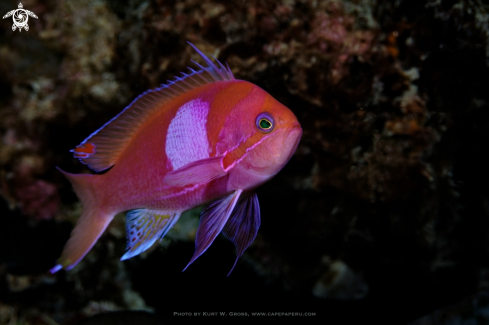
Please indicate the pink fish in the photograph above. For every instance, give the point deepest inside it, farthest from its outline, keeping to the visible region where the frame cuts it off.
(203, 139)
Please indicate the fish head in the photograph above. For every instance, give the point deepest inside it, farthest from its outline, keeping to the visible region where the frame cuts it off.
(272, 136)
(279, 135)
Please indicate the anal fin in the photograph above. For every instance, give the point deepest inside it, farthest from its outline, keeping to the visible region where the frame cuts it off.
(144, 227)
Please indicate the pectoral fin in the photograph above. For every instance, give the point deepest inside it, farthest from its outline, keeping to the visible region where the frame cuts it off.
(212, 220)
(144, 227)
(242, 226)
(197, 172)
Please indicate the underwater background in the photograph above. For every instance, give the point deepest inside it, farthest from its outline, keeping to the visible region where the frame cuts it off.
(381, 215)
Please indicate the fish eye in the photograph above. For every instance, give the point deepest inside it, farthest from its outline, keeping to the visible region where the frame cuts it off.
(264, 123)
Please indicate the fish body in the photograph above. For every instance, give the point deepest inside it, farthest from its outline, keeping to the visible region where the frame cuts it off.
(203, 139)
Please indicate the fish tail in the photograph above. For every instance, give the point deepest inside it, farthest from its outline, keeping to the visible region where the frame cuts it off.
(89, 226)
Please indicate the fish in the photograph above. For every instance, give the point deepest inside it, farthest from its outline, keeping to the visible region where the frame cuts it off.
(202, 139)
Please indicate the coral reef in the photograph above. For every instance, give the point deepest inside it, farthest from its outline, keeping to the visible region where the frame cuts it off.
(389, 184)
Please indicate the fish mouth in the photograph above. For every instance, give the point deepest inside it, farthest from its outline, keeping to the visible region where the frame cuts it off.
(292, 139)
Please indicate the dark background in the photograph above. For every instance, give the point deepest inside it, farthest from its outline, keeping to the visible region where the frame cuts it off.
(390, 179)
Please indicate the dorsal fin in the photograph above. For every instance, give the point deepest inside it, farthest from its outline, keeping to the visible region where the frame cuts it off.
(102, 148)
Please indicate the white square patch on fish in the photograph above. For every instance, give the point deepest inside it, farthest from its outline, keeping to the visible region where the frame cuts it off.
(186, 140)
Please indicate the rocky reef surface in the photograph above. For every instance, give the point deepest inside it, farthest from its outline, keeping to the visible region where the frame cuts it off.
(381, 214)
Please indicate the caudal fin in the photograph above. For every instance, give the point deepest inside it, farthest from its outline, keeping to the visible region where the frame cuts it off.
(89, 226)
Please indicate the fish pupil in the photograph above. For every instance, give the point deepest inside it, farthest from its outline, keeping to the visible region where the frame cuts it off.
(265, 124)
